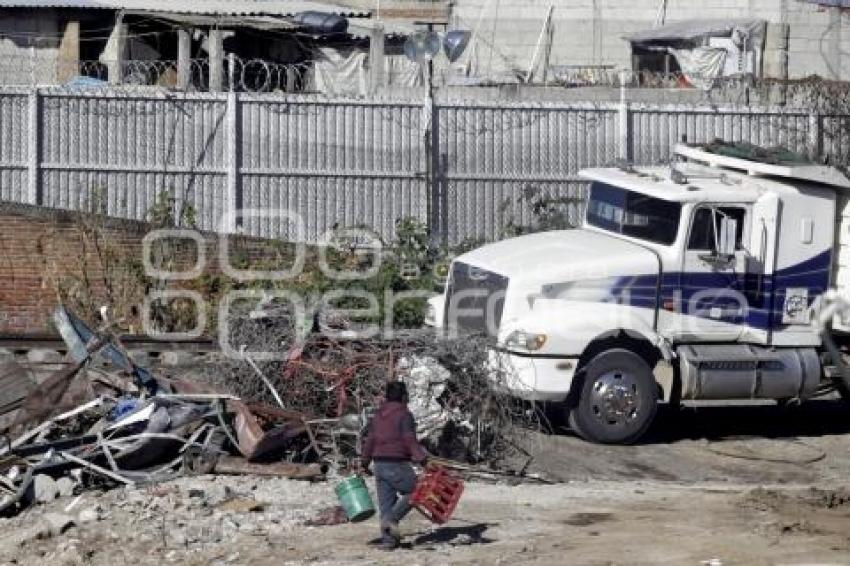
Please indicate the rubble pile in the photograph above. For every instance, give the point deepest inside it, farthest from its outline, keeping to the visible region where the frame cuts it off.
(102, 421)
(189, 520)
(87, 427)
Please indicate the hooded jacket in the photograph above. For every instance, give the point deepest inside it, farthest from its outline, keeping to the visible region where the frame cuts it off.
(392, 435)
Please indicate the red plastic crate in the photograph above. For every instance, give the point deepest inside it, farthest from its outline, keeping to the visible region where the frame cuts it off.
(437, 493)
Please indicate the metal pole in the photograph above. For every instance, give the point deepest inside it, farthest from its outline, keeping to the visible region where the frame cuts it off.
(233, 204)
(432, 142)
(33, 149)
(815, 136)
(625, 126)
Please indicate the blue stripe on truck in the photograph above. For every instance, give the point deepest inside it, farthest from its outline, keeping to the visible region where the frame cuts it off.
(698, 293)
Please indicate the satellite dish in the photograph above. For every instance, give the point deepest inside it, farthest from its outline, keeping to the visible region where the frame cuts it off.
(455, 43)
(422, 46)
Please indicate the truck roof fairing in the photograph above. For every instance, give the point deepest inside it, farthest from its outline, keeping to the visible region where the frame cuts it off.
(764, 162)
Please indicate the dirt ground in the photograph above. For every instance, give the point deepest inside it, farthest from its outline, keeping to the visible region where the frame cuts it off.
(740, 485)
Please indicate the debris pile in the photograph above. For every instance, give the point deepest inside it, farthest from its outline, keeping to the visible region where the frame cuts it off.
(86, 427)
(337, 373)
(102, 420)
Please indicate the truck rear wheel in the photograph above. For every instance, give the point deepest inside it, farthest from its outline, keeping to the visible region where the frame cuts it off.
(618, 399)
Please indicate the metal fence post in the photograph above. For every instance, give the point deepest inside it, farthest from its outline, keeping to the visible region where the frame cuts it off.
(625, 126)
(33, 148)
(233, 203)
(432, 140)
(816, 141)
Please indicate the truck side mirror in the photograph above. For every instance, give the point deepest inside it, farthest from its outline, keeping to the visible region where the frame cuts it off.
(726, 238)
(723, 254)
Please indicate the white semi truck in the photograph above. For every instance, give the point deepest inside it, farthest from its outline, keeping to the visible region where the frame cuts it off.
(703, 280)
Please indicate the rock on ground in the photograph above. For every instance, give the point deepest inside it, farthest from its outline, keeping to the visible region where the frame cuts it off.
(45, 488)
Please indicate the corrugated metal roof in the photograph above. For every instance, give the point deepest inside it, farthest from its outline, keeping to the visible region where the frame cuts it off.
(694, 29)
(201, 7)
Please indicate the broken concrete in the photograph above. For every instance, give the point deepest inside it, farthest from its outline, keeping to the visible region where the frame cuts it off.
(45, 488)
(65, 486)
(57, 523)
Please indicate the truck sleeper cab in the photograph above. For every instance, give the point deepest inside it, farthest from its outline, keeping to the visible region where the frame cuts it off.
(692, 282)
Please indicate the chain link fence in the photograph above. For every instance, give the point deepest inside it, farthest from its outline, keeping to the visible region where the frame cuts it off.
(465, 168)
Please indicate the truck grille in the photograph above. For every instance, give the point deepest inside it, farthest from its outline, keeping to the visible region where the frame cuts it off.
(474, 289)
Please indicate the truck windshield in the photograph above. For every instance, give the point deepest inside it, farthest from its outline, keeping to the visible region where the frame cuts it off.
(633, 214)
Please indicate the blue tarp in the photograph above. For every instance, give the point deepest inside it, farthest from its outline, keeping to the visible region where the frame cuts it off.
(836, 3)
(86, 82)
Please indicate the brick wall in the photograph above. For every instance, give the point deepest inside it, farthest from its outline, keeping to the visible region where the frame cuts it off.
(38, 248)
(44, 252)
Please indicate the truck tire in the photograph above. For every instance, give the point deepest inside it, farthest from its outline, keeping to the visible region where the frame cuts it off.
(618, 399)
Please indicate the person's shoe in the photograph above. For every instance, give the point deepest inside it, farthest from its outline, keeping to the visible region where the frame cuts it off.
(389, 545)
(393, 530)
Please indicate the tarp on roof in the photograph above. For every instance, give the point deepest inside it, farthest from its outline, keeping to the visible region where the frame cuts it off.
(287, 8)
(701, 65)
(692, 30)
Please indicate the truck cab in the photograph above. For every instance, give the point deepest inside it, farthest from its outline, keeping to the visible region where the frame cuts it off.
(695, 281)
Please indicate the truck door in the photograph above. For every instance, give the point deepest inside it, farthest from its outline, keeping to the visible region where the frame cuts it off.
(713, 305)
(763, 247)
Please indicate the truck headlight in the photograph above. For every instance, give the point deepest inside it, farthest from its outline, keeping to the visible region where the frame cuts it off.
(525, 340)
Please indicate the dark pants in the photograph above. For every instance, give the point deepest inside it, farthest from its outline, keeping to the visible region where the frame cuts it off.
(395, 482)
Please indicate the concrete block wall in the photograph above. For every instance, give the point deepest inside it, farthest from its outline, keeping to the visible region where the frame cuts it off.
(29, 49)
(590, 31)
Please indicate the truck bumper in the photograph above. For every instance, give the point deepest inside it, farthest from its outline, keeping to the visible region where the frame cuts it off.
(533, 378)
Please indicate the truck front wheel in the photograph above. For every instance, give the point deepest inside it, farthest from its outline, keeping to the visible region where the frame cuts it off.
(618, 399)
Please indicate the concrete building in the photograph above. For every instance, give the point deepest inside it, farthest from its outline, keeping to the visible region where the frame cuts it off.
(49, 42)
(38, 47)
(591, 32)
(43, 41)
(802, 37)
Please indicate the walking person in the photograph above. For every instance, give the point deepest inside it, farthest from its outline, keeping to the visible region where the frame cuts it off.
(392, 445)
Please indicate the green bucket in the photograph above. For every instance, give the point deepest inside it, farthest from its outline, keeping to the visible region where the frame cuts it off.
(355, 499)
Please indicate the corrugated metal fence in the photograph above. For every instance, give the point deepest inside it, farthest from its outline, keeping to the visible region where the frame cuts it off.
(461, 167)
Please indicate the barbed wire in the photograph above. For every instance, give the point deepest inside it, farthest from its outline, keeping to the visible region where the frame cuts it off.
(264, 76)
(246, 75)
